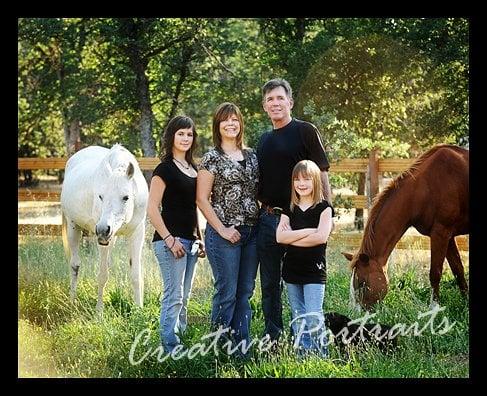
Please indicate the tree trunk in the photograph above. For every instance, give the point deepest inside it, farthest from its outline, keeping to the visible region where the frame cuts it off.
(300, 26)
(146, 115)
(72, 136)
(187, 53)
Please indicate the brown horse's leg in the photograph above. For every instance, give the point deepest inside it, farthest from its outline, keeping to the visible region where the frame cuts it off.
(439, 245)
(453, 257)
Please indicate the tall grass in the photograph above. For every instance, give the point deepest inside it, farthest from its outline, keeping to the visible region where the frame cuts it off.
(60, 338)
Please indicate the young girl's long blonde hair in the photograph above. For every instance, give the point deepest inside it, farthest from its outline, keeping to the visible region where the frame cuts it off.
(307, 168)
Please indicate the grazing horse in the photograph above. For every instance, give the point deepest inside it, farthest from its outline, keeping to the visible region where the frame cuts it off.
(104, 192)
(431, 196)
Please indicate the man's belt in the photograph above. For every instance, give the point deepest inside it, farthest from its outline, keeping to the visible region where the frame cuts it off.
(274, 210)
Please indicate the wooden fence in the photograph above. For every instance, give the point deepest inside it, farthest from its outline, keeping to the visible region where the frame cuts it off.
(374, 166)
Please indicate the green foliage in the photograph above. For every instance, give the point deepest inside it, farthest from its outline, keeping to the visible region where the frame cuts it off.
(400, 85)
(372, 92)
(366, 81)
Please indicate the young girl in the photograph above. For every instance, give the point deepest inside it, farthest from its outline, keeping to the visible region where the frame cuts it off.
(305, 227)
(177, 238)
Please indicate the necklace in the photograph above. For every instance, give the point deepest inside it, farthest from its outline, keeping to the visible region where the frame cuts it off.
(180, 163)
(235, 155)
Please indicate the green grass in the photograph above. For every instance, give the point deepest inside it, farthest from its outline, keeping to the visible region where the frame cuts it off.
(58, 338)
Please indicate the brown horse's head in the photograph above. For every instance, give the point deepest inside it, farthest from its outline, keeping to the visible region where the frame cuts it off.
(369, 280)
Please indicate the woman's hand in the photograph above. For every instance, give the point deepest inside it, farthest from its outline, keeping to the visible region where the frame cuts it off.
(201, 250)
(230, 234)
(177, 248)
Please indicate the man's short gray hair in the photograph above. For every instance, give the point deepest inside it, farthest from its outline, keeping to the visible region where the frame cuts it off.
(277, 82)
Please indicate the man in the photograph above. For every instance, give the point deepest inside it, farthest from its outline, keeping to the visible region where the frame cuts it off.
(278, 151)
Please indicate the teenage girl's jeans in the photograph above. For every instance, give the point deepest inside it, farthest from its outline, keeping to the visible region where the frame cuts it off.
(309, 329)
(234, 267)
(177, 279)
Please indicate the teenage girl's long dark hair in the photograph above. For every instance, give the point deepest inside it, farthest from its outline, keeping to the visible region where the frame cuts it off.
(175, 124)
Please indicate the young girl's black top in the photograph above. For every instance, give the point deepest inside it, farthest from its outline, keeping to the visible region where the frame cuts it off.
(178, 202)
(303, 265)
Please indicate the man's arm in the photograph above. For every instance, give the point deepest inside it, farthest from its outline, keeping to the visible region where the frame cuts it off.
(325, 185)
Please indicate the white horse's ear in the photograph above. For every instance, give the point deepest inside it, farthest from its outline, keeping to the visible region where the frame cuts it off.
(130, 170)
(107, 168)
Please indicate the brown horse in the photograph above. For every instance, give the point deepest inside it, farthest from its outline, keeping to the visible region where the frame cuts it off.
(432, 196)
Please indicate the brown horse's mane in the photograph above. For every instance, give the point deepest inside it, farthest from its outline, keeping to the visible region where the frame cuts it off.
(379, 201)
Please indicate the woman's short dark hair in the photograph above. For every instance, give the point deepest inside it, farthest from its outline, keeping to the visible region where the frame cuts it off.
(174, 125)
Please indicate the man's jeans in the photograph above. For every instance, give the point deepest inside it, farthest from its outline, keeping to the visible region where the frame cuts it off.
(308, 321)
(177, 278)
(234, 267)
(270, 256)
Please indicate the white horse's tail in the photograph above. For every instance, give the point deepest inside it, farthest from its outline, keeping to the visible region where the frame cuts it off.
(64, 233)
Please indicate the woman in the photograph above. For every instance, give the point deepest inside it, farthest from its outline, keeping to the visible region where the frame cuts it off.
(177, 243)
(226, 195)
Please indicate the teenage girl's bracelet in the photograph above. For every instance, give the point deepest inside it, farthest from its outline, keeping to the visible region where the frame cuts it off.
(167, 236)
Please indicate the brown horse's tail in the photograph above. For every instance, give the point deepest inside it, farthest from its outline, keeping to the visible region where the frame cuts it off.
(64, 234)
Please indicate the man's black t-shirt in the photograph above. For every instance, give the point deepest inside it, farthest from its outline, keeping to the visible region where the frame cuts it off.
(303, 265)
(278, 152)
(178, 202)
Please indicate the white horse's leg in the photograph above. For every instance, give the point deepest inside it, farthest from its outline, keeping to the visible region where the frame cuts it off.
(73, 233)
(136, 241)
(103, 272)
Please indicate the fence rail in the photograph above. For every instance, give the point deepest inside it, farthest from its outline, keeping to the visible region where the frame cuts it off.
(353, 240)
(27, 194)
(149, 163)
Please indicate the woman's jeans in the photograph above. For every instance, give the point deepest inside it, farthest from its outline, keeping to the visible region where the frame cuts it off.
(308, 322)
(177, 278)
(234, 267)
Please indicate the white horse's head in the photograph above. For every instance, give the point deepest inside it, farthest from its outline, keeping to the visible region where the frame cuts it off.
(114, 197)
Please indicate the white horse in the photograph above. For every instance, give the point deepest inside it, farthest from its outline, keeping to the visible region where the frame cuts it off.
(104, 192)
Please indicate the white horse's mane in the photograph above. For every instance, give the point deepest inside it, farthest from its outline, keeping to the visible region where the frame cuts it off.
(119, 158)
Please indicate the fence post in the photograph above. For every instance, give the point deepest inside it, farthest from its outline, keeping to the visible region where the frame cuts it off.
(373, 175)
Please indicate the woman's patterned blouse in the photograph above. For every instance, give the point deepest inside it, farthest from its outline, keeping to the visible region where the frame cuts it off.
(234, 192)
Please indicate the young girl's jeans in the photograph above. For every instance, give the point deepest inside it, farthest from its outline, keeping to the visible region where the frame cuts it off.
(308, 322)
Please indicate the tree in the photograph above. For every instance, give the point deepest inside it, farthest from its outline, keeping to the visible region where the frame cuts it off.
(374, 92)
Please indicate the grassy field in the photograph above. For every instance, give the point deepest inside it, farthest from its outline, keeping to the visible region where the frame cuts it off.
(57, 338)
